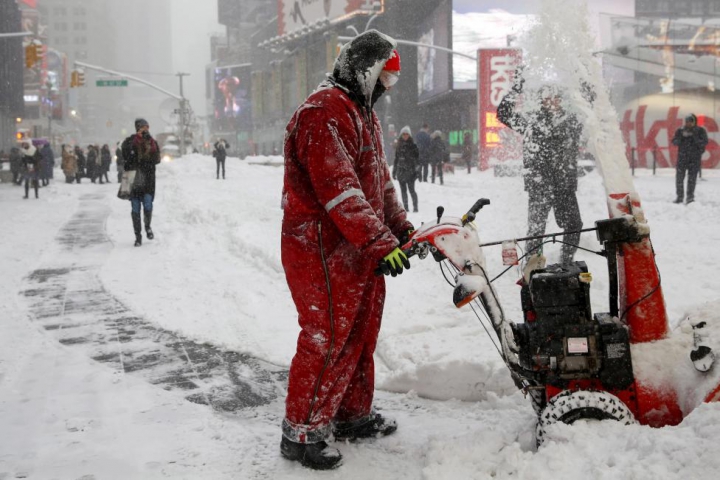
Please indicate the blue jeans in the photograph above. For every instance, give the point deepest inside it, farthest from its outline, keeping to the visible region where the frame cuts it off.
(147, 202)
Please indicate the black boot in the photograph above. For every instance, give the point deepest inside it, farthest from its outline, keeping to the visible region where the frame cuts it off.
(138, 228)
(148, 220)
(318, 456)
(374, 425)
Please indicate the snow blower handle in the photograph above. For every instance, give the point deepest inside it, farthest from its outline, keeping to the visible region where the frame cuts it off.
(470, 215)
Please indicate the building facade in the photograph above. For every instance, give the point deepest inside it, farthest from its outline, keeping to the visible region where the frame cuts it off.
(290, 47)
(11, 73)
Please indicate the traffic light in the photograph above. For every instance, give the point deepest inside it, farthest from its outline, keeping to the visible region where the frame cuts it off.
(38, 51)
(77, 78)
(31, 57)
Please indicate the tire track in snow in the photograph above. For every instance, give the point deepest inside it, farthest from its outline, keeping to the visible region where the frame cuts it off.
(66, 297)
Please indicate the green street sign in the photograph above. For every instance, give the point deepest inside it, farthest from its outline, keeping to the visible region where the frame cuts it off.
(111, 83)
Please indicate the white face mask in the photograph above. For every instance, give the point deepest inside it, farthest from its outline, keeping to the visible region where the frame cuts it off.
(388, 79)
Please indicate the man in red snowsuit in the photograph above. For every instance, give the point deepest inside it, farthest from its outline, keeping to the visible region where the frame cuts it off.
(341, 220)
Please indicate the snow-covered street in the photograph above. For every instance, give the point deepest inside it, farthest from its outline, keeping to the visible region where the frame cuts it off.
(169, 360)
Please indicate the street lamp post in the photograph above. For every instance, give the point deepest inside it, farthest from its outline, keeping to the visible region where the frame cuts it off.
(183, 107)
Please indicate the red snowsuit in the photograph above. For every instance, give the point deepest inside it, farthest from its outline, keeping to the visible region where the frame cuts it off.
(341, 218)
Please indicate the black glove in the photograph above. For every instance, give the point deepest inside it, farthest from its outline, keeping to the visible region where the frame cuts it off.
(393, 263)
(405, 237)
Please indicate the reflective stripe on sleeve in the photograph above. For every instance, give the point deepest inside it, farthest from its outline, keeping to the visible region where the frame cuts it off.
(353, 192)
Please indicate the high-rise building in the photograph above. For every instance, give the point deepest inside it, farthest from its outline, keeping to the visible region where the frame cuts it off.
(11, 74)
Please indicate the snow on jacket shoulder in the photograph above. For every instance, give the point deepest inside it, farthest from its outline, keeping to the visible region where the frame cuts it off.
(336, 174)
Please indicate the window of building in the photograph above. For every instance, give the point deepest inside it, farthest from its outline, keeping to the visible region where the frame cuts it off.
(698, 7)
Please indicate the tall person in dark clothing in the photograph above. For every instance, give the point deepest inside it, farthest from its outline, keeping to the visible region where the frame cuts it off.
(691, 141)
(81, 164)
(406, 166)
(439, 154)
(422, 139)
(119, 162)
(141, 153)
(16, 165)
(551, 145)
(468, 151)
(105, 161)
(32, 161)
(47, 165)
(220, 154)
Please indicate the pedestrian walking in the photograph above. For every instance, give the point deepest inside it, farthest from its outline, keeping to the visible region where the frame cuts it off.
(47, 165)
(691, 141)
(468, 151)
(423, 143)
(342, 220)
(220, 154)
(406, 166)
(105, 161)
(439, 154)
(141, 153)
(32, 159)
(69, 164)
(93, 163)
(16, 165)
(81, 164)
(551, 146)
(119, 162)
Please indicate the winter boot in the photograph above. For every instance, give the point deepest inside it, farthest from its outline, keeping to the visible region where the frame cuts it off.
(374, 425)
(318, 456)
(678, 200)
(148, 220)
(137, 227)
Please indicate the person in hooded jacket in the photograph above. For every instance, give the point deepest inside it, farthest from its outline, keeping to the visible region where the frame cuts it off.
(141, 153)
(94, 164)
(422, 139)
(69, 164)
(32, 160)
(551, 146)
(16, 165)
(81, 163)
(438, 155)
(342, 220)
(406, 166)
(47, 165)
(220, 154)
(105, 161)
(691, 141)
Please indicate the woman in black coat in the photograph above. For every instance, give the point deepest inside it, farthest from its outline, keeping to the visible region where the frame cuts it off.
(105, 161)
(406, 166)
(141, 153)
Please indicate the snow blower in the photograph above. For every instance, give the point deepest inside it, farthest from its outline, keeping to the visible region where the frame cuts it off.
(573, 364)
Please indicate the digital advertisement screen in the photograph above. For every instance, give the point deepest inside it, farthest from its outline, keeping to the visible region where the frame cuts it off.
(433, 65)
(233, 104)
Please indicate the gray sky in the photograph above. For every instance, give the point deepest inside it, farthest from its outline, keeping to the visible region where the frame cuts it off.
(193, 22)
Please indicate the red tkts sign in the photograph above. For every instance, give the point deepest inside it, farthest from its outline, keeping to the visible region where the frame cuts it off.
(496, 69)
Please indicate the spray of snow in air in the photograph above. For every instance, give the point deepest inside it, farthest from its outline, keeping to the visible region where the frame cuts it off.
(558, 51)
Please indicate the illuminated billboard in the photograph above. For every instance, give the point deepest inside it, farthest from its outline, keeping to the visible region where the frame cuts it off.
(296, 14)
(434, 66)
(233, 98)
(496, 69)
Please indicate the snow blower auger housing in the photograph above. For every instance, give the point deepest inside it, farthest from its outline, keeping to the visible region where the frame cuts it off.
(572, 363)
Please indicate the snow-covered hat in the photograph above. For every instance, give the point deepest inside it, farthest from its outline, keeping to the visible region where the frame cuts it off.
(691, 118)
(30, 150)
(406, 129)
(436, 134)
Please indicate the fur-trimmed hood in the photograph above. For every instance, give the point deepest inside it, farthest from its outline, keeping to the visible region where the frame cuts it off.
(360, 62)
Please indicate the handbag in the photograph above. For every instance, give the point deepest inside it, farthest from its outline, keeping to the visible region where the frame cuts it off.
(126, 184)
